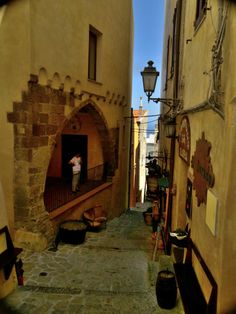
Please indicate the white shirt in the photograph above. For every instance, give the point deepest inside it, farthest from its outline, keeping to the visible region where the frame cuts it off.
(76, 164)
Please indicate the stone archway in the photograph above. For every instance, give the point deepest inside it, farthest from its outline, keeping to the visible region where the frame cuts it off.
(108, 137)
(38, 120)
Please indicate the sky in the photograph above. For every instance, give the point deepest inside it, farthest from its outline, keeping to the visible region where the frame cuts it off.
(148, 43)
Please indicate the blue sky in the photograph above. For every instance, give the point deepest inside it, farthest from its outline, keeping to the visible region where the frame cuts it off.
(148, 42)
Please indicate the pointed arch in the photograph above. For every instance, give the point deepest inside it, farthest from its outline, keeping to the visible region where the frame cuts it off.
(90, 107)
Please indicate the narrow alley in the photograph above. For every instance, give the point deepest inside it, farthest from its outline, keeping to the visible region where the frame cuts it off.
(111, 272)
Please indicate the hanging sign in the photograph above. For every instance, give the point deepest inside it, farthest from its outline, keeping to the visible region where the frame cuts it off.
(184, 140)
(203, 176)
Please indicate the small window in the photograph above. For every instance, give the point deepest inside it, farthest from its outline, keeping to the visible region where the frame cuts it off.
(200, 12)
(167, 62)
(175, 39)
(92, 65)
(94, 54)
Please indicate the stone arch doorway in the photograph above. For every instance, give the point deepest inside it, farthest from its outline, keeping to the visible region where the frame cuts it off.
(39, 119)
(85, 131)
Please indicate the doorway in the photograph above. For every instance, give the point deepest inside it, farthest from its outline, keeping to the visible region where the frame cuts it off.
(72, 145)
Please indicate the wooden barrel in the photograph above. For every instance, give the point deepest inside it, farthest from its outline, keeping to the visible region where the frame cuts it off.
(166, 289)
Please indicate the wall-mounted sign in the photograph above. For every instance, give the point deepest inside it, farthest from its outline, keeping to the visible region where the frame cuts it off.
(203, 176)
(184, 140)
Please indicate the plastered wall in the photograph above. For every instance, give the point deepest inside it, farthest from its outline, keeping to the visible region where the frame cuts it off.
(195, 88)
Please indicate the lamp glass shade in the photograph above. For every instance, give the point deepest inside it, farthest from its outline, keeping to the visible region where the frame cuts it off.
(149, 75)
(170, 128)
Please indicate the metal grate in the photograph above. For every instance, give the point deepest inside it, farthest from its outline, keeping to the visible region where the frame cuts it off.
(53, 290)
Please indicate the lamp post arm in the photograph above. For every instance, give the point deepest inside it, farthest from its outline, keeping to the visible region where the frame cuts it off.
(166, 101)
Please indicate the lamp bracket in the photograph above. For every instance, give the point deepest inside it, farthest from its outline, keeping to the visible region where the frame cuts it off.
(170, 102)
(175, 106)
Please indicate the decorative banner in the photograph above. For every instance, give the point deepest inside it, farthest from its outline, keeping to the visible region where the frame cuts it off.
(202, 169)
(184, 140)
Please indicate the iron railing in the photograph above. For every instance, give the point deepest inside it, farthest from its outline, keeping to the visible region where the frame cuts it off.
(96, 173)
(58, 190)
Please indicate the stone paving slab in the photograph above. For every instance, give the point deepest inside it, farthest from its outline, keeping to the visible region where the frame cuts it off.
(111, 272)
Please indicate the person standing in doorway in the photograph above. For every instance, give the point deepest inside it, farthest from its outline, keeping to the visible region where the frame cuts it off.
(76, 169)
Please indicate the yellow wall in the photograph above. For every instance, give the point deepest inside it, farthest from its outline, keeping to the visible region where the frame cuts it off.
(50, 40)
(218, 251)
(57, 41)
(135, 163)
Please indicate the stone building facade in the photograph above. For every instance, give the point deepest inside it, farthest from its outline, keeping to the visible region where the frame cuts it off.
(198, 69)
(65, 70)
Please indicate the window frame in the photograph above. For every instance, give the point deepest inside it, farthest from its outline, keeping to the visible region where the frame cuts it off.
(167, 61)
(92, 57)
(201, 6)
(94, 54)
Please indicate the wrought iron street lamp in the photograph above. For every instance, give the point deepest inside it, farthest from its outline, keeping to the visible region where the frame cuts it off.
(170, 128)
(150, 75)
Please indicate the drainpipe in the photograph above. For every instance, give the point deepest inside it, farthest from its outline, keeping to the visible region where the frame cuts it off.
(130, 155)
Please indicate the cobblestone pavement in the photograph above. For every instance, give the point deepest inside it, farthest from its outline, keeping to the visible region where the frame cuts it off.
(111, 272)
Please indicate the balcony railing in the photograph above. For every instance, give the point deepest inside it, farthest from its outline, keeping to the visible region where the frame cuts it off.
(58, 190)
(96, 173)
